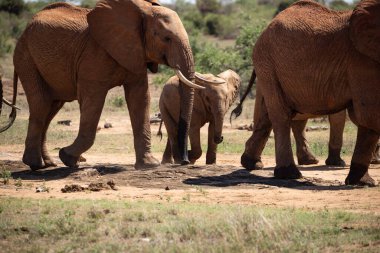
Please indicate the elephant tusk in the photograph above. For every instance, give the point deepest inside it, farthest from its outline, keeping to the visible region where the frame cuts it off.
(201, 78)
(186, 81)
(10, 104)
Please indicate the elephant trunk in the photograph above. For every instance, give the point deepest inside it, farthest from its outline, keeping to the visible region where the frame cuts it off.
(13, 113)
(218, 120)
(186, 66)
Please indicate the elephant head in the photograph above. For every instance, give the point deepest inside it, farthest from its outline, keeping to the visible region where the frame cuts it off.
(140, 34)
(219, 97)
(365, 28)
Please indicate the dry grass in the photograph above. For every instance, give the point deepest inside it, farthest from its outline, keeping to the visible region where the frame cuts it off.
(120, 226)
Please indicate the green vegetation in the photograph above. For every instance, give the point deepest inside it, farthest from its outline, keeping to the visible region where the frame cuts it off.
(28, 225)
(238, 21)
(5, 175)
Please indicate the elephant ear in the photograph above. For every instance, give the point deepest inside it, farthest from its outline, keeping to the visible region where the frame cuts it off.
(365, 28)
(117, 26)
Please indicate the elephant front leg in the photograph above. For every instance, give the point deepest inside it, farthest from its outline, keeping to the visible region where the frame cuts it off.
(91, 103)
(138, 102)
(55, 107)
(195, 142)
(304, 155)
(211, 145)
(365, 143)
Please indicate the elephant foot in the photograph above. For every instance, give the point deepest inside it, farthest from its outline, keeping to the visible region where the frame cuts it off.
(358, 175)
(82, 159)
(335, 161)
(308, 160)
(147, 162)
(167, 161)
(67, 159)
(211, 161)
(287, 172)
(251, 164)
(49, 163)
(185, 162)
(33, 163)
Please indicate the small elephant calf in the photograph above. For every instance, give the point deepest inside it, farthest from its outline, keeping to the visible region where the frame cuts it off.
(210, 105)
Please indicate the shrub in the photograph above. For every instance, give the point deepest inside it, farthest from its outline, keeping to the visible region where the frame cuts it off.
(118, 101)
(12, 6)
(5, 44)
(245, 43)
(340, 5)
(212, 23)
(208, 6)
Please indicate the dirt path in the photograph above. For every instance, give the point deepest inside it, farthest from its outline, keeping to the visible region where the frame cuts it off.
(322, 186)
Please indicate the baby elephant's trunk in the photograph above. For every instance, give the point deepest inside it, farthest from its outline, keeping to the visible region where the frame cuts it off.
(218, 130)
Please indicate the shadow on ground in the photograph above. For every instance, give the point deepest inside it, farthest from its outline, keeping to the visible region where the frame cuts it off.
(175, 177)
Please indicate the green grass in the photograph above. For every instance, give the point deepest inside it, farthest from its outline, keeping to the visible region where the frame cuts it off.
(53, 225)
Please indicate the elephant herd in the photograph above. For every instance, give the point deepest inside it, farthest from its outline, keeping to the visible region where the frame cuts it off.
(309, 61)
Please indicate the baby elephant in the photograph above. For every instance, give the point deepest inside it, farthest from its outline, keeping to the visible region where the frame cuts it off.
(210, 105)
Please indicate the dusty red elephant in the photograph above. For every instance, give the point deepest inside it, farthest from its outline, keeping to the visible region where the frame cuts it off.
(303, 153)
(69, 53)
(312, 60)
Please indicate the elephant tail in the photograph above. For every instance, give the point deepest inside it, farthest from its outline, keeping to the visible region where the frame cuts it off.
(159, 133)
(12, 115)
(239, 108)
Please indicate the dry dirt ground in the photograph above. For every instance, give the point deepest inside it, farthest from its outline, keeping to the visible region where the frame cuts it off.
(322, 186)
(227, 182)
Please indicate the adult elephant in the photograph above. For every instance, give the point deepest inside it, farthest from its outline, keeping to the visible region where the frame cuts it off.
(210, 106)
(304, 156)
(68, 53)
(311, 60)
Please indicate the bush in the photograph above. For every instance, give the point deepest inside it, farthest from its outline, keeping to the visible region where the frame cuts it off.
(12, 6)
(6, 45)
(215, 60)
(118, 101)
(340, 5)
(245, 42)
(208, 6)
(283, 5)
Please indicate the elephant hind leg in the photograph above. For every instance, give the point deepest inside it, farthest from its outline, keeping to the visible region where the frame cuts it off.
(304, 155)
(280, 114)
(55, 107)
(254, 146)
(167, 156)
(39, 106)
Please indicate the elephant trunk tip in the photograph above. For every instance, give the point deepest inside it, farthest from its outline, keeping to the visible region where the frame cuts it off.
(218, 139)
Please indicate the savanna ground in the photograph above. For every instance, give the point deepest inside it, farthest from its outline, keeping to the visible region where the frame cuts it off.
(111, 207)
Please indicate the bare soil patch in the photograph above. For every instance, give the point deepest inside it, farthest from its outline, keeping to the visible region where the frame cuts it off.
(321, 188)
